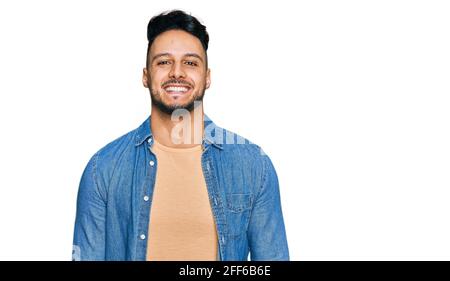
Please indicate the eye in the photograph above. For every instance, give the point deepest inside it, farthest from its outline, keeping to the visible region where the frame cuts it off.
(162, 62)
(192, 63)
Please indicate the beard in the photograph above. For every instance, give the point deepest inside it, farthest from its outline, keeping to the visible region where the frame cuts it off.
(169, 109)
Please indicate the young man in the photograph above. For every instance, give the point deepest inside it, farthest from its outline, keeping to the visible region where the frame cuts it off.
(179, 187)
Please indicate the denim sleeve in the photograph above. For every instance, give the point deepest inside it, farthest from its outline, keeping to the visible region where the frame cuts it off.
(89, 234)
(266, 232)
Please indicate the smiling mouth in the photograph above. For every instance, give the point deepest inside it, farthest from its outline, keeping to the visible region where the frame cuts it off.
(176, 89)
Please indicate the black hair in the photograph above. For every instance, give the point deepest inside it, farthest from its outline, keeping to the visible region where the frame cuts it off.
(176, 19)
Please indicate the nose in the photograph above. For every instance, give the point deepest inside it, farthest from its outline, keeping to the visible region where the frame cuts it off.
(177, 71)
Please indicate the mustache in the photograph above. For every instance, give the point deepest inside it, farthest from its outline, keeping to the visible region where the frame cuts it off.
(177, 81)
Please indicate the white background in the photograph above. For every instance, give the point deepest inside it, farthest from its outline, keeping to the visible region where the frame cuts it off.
(350, 99)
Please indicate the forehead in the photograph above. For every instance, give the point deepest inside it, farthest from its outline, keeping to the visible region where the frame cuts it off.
(176, 42)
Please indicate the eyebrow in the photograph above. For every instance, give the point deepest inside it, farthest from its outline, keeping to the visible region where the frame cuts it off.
(186, 55)
(193, 55)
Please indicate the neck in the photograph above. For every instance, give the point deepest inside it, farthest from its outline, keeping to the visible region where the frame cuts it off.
(179, 130)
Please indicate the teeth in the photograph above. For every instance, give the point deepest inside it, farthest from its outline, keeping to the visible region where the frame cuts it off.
(176, 89)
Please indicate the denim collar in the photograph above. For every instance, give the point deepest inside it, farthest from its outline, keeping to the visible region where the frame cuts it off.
(144, 132)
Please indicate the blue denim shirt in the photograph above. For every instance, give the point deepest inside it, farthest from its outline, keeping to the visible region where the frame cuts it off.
(115, 197)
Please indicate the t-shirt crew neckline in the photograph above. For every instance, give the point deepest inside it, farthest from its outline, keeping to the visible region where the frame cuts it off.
(176, 149)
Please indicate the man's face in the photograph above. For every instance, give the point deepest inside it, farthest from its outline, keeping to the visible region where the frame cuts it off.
(177, 74)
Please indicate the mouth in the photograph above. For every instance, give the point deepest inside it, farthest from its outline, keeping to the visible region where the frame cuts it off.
(177, 90)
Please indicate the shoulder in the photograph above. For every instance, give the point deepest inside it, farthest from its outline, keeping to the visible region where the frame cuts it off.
(114, 150)
(239, 149)
(108, 157)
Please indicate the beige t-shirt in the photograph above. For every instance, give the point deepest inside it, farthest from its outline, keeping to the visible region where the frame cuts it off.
(181, 224)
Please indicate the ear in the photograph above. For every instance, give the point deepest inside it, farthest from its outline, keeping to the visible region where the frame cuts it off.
(208, 78)
(145, 78)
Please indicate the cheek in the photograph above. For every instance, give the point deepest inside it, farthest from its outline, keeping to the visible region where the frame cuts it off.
(198, 78)
(156, 79)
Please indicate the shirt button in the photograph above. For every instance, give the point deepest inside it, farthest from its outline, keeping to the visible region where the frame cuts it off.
(152, 163)
(142, 236)
(146, 198)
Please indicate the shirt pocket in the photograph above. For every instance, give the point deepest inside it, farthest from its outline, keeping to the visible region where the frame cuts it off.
(238, 213)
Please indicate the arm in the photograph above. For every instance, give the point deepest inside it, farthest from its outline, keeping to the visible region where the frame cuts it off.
(266, 233)
(89, 234)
